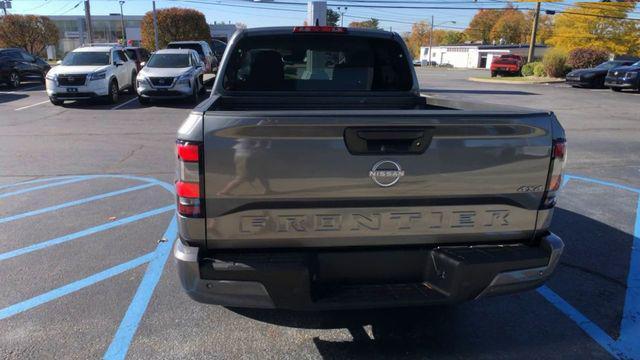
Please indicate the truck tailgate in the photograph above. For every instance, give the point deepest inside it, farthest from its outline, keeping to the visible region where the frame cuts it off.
(360, 178)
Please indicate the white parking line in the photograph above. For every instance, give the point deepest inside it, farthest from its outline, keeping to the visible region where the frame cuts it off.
(123, 104)
(32, 105)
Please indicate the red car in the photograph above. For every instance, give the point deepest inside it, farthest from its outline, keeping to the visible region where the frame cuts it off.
(506, 64)
(137, 54)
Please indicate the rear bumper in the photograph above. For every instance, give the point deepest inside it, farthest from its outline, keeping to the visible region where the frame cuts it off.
(390, 277)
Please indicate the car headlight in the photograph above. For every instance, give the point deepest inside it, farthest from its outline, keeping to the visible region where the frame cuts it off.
(51, 76)
(631, 75)
(185, 79)
(142, 80)
(98, 75)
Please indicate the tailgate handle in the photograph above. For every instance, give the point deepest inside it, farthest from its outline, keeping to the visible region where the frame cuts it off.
(376, 141)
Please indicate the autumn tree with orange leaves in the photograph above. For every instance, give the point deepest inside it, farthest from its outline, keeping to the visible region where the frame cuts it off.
(174, 24)
(30, 32)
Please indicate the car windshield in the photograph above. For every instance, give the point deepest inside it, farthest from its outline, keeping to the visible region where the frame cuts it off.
(169, 61)
(609, 65)
(317, 63)
(191, 46)
(86, 58)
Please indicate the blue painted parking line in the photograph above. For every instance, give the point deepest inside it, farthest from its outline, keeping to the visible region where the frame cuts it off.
(74, 203)
(128, 326)
(630, 324)
(73, 287)
(35, 181)
(82, 233)
(585, 324)
(45, 186)
(627, 346)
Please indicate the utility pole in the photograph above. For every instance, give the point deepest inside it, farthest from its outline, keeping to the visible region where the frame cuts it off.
(155, 25)
(87, 19)
(534, 31)
(124, 30)
(430, 41)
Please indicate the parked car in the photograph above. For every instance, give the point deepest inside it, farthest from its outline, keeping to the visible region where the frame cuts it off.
(101, 71)
(625, 77)
(594, 77)
(218, 48)
(17, 65)
(395, 199)
(171, 73)
(507, 64)
(204, 51)
(417, 62)
(138, 54)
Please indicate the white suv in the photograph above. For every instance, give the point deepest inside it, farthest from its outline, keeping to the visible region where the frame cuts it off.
(90, 72)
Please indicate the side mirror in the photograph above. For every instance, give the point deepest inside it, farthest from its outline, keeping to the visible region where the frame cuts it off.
(118, 63)
(58, 62)
(143, 63)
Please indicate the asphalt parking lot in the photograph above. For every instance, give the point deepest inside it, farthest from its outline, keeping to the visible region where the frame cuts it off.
(86, 227)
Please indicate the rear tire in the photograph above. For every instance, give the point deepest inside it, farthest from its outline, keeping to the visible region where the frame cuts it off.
(494, 73)
(14, 80)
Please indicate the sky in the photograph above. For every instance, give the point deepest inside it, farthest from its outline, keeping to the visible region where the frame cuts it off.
(255, 13)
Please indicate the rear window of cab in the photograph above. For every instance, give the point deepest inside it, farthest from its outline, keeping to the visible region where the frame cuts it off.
(306, 62)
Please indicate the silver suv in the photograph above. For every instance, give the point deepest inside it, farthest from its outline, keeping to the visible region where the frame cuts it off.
(171, 73)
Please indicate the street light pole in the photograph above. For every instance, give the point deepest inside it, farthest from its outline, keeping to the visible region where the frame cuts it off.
(124, 30)
(431, 35)
(342, 15)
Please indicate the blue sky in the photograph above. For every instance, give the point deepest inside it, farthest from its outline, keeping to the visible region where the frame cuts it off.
(254, 13)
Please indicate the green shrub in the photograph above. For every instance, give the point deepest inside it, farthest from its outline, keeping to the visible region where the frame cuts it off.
(538, 69)
(527, 69)
(554, 63)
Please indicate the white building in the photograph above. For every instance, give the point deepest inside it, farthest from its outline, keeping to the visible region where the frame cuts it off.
(473, 56)
(106, 28)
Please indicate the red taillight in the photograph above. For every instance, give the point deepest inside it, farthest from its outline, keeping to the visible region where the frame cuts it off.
(188, 152)
(559, 148)
(189, 191)
(554, 182)
(320, 29)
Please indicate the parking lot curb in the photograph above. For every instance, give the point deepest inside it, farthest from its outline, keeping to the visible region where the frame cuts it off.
(512, 82)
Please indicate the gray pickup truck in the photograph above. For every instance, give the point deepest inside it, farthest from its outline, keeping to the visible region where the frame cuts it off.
(317, 176)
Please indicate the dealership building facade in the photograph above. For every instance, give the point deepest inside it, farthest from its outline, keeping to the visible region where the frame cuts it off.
(108, 29)
(473, 56)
